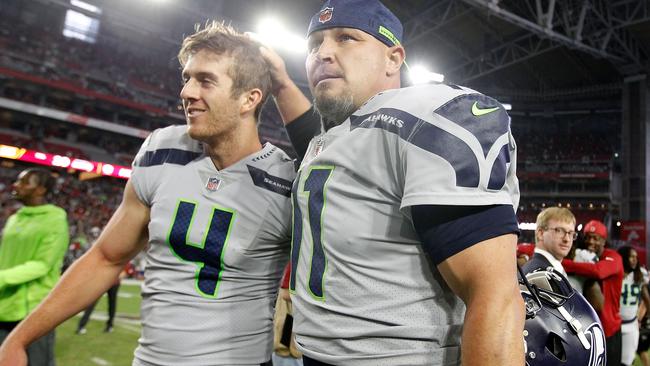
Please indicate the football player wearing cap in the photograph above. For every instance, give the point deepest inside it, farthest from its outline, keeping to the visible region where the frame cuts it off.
(609, 273)
(404, 222)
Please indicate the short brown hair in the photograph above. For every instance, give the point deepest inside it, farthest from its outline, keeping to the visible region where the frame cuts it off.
(248, 71)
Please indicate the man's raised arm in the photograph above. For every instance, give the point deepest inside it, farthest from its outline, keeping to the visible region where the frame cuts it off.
(300, 119)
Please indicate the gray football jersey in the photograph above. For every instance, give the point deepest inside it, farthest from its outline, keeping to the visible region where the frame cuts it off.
(218, 243)
(365, 293)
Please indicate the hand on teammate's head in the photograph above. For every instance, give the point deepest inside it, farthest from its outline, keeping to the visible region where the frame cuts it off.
(279, 76)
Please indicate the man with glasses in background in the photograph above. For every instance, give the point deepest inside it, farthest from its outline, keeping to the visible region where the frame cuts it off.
(608, 271)
(554, 238)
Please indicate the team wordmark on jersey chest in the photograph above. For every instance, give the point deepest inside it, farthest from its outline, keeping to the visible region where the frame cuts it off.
(449, 146)
(385, 118)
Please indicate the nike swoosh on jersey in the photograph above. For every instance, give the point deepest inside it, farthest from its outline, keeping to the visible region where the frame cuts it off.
(481, 111)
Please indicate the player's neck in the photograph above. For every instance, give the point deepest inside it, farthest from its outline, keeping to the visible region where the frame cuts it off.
(34, 201)
(228, 150)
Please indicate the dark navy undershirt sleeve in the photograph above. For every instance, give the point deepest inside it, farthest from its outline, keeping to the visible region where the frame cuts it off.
(448, 230)
(302, 130)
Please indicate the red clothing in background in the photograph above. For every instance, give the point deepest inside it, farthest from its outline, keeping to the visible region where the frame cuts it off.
(609, 273)
(286, 276)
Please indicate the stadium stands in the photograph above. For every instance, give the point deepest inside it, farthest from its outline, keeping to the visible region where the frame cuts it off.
(562, 160)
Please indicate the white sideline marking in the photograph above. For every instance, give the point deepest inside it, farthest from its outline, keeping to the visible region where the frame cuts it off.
(131, 328)
(100, 361)
(132, 282)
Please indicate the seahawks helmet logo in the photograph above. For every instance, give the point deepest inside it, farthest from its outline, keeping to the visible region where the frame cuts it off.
(596, 337)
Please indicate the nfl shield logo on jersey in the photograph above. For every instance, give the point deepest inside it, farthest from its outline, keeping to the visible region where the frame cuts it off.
(325, 15)
(213, 184)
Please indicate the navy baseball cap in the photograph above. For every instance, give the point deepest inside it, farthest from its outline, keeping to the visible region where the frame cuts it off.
(370, 16)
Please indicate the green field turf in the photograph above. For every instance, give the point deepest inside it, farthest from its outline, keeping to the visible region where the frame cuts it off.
(128, 303)
(99, 348)
(105, 349)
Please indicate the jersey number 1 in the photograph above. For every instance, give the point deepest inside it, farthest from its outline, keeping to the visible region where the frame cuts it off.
(208, 255)
(314, 189)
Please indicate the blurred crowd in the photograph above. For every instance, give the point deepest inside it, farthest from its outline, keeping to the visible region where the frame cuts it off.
(46, 53)
(89, 205)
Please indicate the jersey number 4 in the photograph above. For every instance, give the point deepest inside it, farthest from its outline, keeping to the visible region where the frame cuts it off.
(207, 255)
(314, 189)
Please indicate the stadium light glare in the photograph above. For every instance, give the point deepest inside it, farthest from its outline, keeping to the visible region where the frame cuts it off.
(271, 32)
(108, 169)
(528, 226)
(80, 164)
(507, 106)
(61, 161)
(420, 75)
(37, 157)
(579, 227)
(84, 5)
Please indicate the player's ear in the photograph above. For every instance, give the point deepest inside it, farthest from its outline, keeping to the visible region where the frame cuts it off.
(250, 100)
(394, 59)
(41, 190)
(539, 235)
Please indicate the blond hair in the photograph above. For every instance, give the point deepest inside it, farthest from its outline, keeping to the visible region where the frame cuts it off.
(560, 214)
(248, 69)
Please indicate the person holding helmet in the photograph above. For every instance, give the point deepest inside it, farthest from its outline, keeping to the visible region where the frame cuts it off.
(561, 327)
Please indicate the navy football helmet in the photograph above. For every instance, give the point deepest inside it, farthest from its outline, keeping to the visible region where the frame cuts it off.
(561, 326)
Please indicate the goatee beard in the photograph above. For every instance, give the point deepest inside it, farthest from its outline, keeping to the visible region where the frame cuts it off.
(334, 111)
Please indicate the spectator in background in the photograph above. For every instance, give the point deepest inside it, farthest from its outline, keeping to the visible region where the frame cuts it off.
(78, 245)
(633, 291)
(554, 238)
(608, 271)
(579, 253)
(589, 287)
(33, 244)
(111, 294)
(525, 251)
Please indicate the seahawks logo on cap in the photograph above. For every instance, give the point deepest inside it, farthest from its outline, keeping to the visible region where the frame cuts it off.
(325, 15)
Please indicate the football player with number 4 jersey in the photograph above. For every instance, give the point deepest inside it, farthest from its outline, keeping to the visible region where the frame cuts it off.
(404, 233)
(214, 206)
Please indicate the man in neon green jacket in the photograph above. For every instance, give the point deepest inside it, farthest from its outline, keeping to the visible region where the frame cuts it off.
(34, 242)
